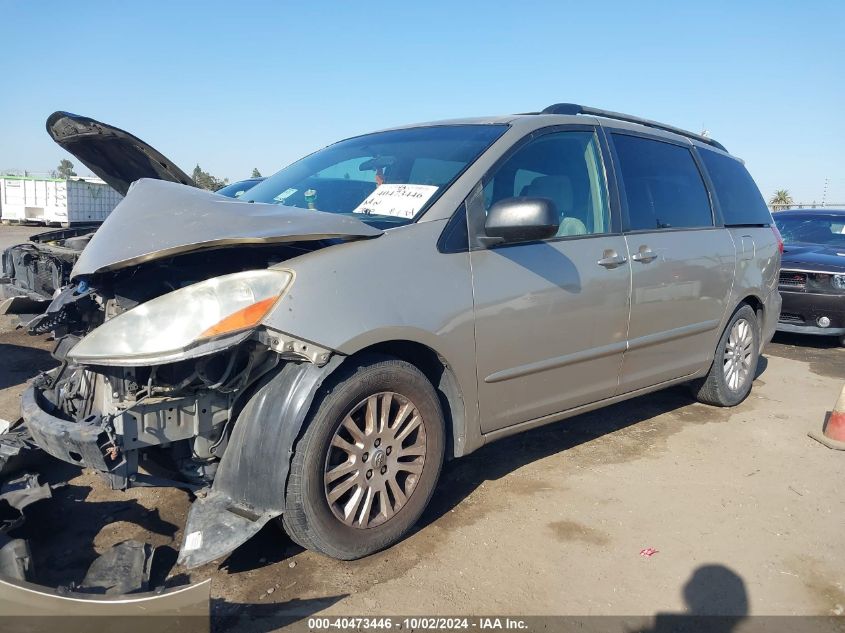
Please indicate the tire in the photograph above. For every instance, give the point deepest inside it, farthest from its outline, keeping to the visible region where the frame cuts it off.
(842, 341)
(315, 523)
(720, 387)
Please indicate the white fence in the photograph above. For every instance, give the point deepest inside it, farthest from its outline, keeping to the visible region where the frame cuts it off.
(803, 205)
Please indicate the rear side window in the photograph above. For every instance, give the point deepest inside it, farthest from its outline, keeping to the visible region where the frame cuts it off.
(738, 196)
(662, 184)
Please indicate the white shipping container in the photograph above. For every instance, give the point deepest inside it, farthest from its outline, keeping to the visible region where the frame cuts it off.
(56, 201)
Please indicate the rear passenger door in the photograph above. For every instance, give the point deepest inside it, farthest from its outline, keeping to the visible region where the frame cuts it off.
(682, 263)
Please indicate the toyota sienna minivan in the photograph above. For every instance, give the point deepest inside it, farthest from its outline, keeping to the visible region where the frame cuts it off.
(315, 349)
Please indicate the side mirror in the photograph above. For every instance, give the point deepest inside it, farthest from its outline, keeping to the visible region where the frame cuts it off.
(521, 220)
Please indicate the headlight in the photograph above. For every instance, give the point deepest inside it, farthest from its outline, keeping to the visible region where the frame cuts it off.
(166, 326)
(838, 282)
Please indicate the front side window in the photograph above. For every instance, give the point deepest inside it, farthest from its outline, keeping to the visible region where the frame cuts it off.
(662, 185)
(738, 195)
(564, 167)
(384, 179)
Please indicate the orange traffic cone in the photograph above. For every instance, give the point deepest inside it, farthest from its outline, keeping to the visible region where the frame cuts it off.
(833, 431)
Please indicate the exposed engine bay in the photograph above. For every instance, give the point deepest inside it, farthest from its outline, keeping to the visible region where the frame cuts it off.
(182, 408)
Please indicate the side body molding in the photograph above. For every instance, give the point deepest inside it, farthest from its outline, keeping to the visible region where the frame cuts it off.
(249, 487)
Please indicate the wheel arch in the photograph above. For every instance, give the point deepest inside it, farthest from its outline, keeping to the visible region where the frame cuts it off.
(440, 375)
(756, 304)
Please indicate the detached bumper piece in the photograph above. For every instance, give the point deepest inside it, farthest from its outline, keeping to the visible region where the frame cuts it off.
(32, 608)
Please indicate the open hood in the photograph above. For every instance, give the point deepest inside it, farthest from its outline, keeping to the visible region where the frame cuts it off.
(118, 157)
(161, 219)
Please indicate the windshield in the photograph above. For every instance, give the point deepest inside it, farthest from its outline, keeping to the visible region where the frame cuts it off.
(385, 179)
(237, 189)
(812, 229)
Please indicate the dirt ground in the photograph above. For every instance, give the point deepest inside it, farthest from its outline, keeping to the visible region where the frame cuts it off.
(745, 511)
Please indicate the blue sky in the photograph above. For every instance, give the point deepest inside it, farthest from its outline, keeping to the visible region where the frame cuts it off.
(236, 86)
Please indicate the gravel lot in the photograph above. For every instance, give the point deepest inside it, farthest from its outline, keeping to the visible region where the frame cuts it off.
(745, 512)
(15, 234)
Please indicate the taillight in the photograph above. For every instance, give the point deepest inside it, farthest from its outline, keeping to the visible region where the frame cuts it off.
(778, 237)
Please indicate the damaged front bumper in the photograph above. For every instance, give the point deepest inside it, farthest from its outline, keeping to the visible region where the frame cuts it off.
(243, 439)
(111, 441)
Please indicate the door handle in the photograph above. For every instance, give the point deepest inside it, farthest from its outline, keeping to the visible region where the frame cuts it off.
(644, 255)
(611, 259)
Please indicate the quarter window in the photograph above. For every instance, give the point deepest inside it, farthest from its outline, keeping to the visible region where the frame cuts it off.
(662, 185)
(739, 198)
(566, 168)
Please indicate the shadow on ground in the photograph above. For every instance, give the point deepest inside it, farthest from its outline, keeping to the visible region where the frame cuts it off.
(462, 476)
(262, 618)
(716, 600)
(20, 363)
(824, 354)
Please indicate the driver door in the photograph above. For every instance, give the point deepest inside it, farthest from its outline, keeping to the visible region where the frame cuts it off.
(551, 316)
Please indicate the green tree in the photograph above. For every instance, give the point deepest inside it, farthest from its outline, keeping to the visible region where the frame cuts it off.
(204, 180)
(781, 200)
(65, 169)
(255, 173)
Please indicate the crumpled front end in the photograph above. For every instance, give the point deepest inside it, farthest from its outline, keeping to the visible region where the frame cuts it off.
(116, 420)
(32, 272)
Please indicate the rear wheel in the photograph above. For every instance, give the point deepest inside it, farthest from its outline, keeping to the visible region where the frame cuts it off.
(368, 461)
(735, 363)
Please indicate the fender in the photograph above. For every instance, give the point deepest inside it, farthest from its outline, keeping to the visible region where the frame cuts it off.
(249, 487)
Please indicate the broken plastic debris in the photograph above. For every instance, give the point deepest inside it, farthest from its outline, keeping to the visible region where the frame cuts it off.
(121, 569)
(16, 446)
(17, 494)
(15, 558)
(648, 552)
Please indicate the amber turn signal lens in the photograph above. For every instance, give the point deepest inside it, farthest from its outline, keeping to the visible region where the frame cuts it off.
(242, 319)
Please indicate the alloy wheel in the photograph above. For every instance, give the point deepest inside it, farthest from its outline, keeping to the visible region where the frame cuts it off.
(375, 460)
(738, 355)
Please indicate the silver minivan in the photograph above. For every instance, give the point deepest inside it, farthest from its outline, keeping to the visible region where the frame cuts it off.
(315, 349)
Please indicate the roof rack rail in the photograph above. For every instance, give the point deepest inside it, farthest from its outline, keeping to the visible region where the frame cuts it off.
(574, 108)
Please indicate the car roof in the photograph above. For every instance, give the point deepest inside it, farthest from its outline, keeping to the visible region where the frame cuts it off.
(571, 113)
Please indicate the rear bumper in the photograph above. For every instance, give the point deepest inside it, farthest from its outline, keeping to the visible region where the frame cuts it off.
(771, 310)
(800, 313)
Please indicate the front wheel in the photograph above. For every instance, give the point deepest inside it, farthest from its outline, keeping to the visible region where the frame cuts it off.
(735, 363)
(367, 464)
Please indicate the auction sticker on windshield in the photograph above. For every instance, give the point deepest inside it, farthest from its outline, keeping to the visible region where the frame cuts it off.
(401, 201)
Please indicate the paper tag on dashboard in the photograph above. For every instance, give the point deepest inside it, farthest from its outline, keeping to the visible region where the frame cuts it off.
(287, 193)
(401, 201)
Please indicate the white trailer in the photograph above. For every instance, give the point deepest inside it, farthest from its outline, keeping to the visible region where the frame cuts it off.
(56, 201)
